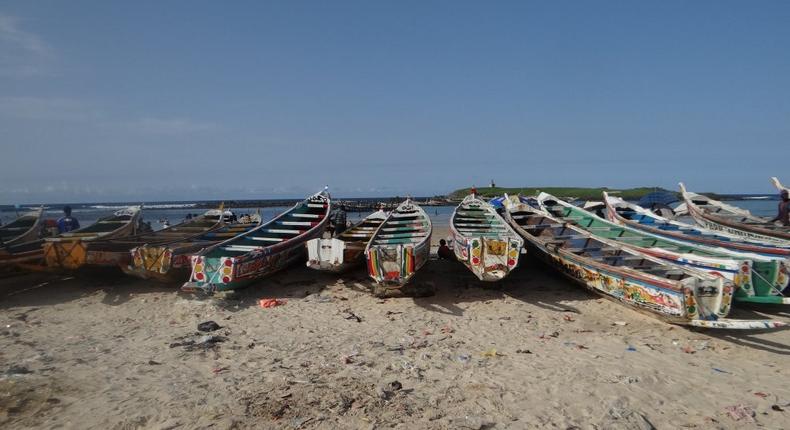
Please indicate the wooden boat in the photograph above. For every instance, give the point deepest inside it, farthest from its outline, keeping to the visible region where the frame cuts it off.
(645, 283)
(758, 279)
(345, 250)
(22, 253)
(401, 245)
(171, 261)
(26, 228)
(259, 252)
(718, 216)
(68, 249)
(621, 212)
(483, 241)
(115, 252)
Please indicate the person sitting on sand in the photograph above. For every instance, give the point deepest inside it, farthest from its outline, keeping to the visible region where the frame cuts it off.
(784, 209)
(67, 223)
(444, 252)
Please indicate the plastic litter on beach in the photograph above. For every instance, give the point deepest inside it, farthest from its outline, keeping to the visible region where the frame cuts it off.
(630, 348)
(208, 326)
(270, 303)
(740, 412)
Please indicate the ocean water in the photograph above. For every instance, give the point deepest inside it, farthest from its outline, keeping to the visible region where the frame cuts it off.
(157, 214)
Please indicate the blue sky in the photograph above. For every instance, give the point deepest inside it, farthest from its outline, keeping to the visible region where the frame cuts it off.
(116, 101)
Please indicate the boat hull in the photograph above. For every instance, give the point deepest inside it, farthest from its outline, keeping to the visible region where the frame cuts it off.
(223, 273)
(697, 238)
(733, 230)
(639, 281)
(235, 263)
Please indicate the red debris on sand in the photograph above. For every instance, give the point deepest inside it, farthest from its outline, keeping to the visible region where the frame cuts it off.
(761, 394)
(568, 318)
(270, 303)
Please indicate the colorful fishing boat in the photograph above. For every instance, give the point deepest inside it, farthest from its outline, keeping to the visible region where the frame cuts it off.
(26, 228)
(645, 283)
(625, 213)
(261, 251)
(483, 241)
(344, 250)
(758, 278)
(171, 261)
(401, 245)
(718, 216)
(60, 250)
(114, 252)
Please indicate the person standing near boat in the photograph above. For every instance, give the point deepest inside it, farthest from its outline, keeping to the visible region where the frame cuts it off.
(67, 223)
(784, 209)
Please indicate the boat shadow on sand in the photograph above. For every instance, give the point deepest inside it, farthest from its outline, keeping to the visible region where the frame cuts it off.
(44, 289)
(531, 283)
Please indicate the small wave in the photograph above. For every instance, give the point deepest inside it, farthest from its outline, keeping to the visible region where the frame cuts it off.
(155, 206)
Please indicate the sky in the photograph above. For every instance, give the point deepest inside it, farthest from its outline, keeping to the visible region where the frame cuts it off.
(179, 100)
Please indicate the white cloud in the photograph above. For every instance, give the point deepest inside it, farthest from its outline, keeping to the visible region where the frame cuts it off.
(22, 53)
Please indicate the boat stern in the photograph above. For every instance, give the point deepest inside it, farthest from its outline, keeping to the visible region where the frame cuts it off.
(65, 254)
(489, 259)
(210, 274)
(395, 265)
(708, 298)
(326, 254)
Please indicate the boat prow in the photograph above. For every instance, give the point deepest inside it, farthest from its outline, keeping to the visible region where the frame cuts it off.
(483, 241)
(778, 184)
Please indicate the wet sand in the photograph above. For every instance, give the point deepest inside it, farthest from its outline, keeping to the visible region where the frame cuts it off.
(535, 351)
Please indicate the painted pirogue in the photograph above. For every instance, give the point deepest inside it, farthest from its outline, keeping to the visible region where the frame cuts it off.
(26, 228)
(61, 250)
(483, 241)
(114, 251)
(270, 247)
(345, 250)
(625, 213)
(401, 245)
(170, 262)
(718, 216)
(758, 278)
(645, 283)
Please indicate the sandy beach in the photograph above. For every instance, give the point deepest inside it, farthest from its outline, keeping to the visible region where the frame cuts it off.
(535, 351)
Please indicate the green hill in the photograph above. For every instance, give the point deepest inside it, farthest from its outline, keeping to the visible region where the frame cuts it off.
(565, 192)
